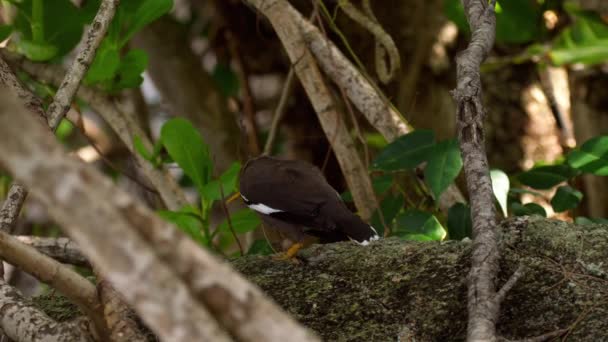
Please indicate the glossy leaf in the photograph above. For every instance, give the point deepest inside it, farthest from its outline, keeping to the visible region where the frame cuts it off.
(105, 64)
(591, 157)
(500, 187)
(185, 221)
(5, 32)
(226, 80)
(444, 165)
(586, 41)
(143, 12)
(62, 23)
(37, 52)
(390, 206)
(130, 70)
(518, 21)
(407, 151)
(460, 225)
(546, 177)
(528, 209)
(566, 198)
(243, 221)
(211, 191)
(420, 226)
(187, 148)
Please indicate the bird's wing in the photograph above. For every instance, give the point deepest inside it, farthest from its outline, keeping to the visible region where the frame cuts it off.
(298, 190)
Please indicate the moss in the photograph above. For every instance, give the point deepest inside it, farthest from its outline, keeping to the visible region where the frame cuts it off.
(346, 292)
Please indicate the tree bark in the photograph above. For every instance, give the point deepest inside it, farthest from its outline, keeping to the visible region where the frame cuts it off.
(399, 288)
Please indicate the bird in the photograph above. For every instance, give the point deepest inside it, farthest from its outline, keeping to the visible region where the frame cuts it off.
(294, 197)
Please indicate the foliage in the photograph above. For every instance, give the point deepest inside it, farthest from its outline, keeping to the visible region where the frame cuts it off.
(186, 147)
(49, 30)
(443, 164)
(520, 22)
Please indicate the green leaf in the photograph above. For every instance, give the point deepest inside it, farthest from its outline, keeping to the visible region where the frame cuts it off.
(566, 198)
(62, 24)
(518, 21)
(528, 209)
(380, 184)
(211, 191)
(226, 80)
(546, 177)
(390, 206)
(591, 157)
(454, 11)
(260, 247)
(500, 187)
(5, 32)
(444, 165)
(64, 129)
(586, 41)
(187, 148)
(406, 152)
(420, 226)
(188, 222)
(105, 64)
(141, 149)
(460, 225)
(143, 12)
(243, 221)
(37, 52)
(132, 66)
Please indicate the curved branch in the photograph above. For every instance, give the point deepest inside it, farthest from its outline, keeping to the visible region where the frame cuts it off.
(65, 94)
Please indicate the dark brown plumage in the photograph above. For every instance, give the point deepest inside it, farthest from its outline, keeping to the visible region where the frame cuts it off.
(294, 197)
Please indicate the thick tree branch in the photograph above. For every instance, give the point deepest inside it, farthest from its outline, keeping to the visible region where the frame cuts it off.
(24, 322)
(280, 14)
(61, 249)
(143, 263)
(124, 124)
(65, 94)
(79, 290)
(63, 185)
(483, 306)
(366, 97)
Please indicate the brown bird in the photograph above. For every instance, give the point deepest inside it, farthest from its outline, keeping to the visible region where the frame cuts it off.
(294, 197)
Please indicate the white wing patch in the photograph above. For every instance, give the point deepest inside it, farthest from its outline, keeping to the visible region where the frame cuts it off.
(373, 238)
(263, 208)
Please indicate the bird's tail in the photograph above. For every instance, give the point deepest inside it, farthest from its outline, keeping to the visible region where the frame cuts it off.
(353, 226)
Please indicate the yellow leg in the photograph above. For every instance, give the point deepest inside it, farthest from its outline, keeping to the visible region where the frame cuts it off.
(290, 254)
(293, 250)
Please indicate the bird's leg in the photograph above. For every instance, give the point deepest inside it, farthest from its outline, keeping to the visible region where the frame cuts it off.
(293, 250)
(290, 254)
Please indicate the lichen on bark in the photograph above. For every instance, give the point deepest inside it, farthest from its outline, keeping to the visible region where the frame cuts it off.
(347, 292)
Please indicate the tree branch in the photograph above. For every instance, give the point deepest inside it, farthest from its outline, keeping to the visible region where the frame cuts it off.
(483, 307)
(65, 94)
(161, 273)
(366, 97)
(61, 249)
(280, 14)
(123, 124)
(24, 322)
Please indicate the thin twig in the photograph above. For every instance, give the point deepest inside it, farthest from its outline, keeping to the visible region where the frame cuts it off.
(97, 30)
(10, 211)
(279, 111)
(500, 296)
(238, 242)
(106, 160)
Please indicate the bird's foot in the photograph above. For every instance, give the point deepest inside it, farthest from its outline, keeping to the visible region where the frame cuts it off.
(290, 254)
